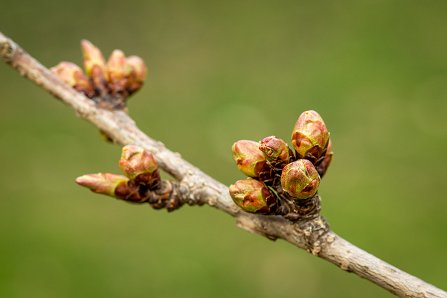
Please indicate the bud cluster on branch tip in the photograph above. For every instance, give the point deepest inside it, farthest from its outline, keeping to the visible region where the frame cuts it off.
(253, 196)
(286, 177)
(117, 78)
(140, 184)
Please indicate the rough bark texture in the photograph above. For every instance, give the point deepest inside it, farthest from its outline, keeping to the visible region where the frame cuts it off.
(198, 188)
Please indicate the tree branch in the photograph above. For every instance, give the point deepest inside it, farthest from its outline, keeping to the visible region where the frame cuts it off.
(198, 188)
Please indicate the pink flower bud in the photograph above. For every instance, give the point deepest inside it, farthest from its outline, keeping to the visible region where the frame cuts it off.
(310, 136)
(103, 183)
(300, 179)
(249, 159)
(92, 57)
(275, 149)
(117, 67)
(253, 196)
(137, 163)
(73, 75)
(138, 72)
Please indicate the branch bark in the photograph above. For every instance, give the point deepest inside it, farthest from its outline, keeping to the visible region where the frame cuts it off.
(199, 188)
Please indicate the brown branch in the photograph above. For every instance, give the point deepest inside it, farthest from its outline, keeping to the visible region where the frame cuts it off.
(198, 188)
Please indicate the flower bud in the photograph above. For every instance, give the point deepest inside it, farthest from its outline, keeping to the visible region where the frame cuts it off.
(139, 164)
(310, 136)
(323, 165)
(249, 159)
(138, 72)
(92, 57)
(73, 75)
(253, 196)
(300, 179)
(117, 67)
(103, 183)
(67, 72)
(99, 81)
(118, 72)
(275, 149)
(138, 67)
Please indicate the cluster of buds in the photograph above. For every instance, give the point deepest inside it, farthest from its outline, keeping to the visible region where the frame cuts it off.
(280, 180)
(141, 182)
(108, 83)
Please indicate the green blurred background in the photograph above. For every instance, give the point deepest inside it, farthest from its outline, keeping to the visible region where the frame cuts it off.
(220, 71)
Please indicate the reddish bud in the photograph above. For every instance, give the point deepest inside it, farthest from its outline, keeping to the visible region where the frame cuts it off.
(249, 159)
(103, 183)
(68, 72)
(310, 136)
(117, 67)
(138, 72)
(73, 75)
(138, 67)
(253, 196)
(139, 164)
(323, 165)
(275, 149)
(92, 57)
(300, 179)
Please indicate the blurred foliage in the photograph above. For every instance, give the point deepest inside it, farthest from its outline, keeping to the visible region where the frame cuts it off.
(221, 71)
